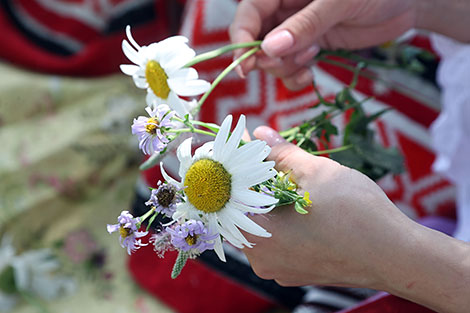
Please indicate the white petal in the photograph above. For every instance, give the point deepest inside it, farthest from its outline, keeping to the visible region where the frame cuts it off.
(218, 247)
(253, 151)
(250, 197)
(234, 139)
(204, 151)
(188, 88)
(177, 104)
(140, 82)
(152, 100)
(229, 224)
(182, 54)
(130, 38)
(248, 176)
(186, 73)
(245, 223)
(174, 40)
(168, 178)
(178, 214)
(184, 156)
(129, 69)
(229, 237)
(250, 209)
(130, 53)
(221, 138)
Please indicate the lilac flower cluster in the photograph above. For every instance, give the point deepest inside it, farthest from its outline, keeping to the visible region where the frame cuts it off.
(165, 198)
(127, 227)
(151, 130)
(192, 236)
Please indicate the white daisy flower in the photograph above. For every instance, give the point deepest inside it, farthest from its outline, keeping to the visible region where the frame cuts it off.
(159, 69)
(216, 182)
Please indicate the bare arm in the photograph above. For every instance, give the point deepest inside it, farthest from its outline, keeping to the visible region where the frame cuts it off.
(355, 236)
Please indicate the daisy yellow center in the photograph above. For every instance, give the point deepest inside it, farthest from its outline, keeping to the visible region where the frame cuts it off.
(152, 125)
(124, 232)
(157, 79)
(191, 240)
(208, 185)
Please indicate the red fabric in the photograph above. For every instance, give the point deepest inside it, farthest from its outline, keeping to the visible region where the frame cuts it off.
(100, 54)
(387, 304)
(197, 289)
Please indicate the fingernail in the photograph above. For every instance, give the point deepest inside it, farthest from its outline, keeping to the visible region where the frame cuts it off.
(305, 78)
(304, 56)
(269, 135)
(275, 44)
(268, 62)
(239, 71)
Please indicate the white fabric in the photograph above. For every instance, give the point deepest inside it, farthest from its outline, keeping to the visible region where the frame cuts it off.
(451, 130)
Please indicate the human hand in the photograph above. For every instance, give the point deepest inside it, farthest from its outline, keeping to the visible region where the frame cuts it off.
(351, 227)
(293, 31)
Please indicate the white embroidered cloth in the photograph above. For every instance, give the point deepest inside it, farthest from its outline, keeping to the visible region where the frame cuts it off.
(451, 130)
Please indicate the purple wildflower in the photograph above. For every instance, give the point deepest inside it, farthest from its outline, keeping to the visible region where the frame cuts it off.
(192, 236)
(127, 227)
(151, 130)
(164, 198)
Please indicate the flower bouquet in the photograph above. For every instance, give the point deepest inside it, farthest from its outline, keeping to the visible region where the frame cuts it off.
(227, 179)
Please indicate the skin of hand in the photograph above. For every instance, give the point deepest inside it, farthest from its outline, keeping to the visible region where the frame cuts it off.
(293, 31)
(354, 235)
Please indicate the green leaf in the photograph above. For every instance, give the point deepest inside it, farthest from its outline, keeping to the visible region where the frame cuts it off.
(300, 209)
(349, 158)
(379, 156)
(309, 146)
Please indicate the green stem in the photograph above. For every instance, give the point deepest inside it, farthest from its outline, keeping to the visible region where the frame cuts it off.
(217, 52)
(145, 216)
(357, 58)
(189, 130)
(295, 129)
(211, 126)
(330, 151)
(352, 69)
(224, 73)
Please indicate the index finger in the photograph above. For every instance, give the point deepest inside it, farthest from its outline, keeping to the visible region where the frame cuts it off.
(248, 23)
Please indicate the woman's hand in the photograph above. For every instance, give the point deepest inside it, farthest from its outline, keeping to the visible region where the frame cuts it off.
(293, 30)
(354, 235)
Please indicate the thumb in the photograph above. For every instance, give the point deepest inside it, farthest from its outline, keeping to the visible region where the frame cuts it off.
(303, 29)
(287, 156)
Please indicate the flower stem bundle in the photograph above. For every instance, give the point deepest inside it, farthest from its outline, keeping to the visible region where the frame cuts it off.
(226, 179)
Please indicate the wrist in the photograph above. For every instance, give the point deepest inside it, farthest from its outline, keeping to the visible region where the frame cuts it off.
(446, 17)
(431, 269)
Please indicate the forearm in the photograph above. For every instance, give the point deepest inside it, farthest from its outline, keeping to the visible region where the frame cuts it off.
(447, 17)
(431, 269)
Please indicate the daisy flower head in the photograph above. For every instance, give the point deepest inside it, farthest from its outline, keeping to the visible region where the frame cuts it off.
(192, 236)
(151, 130)
(127, 227)
(217, 182)
(164, 198)
(159, 68)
